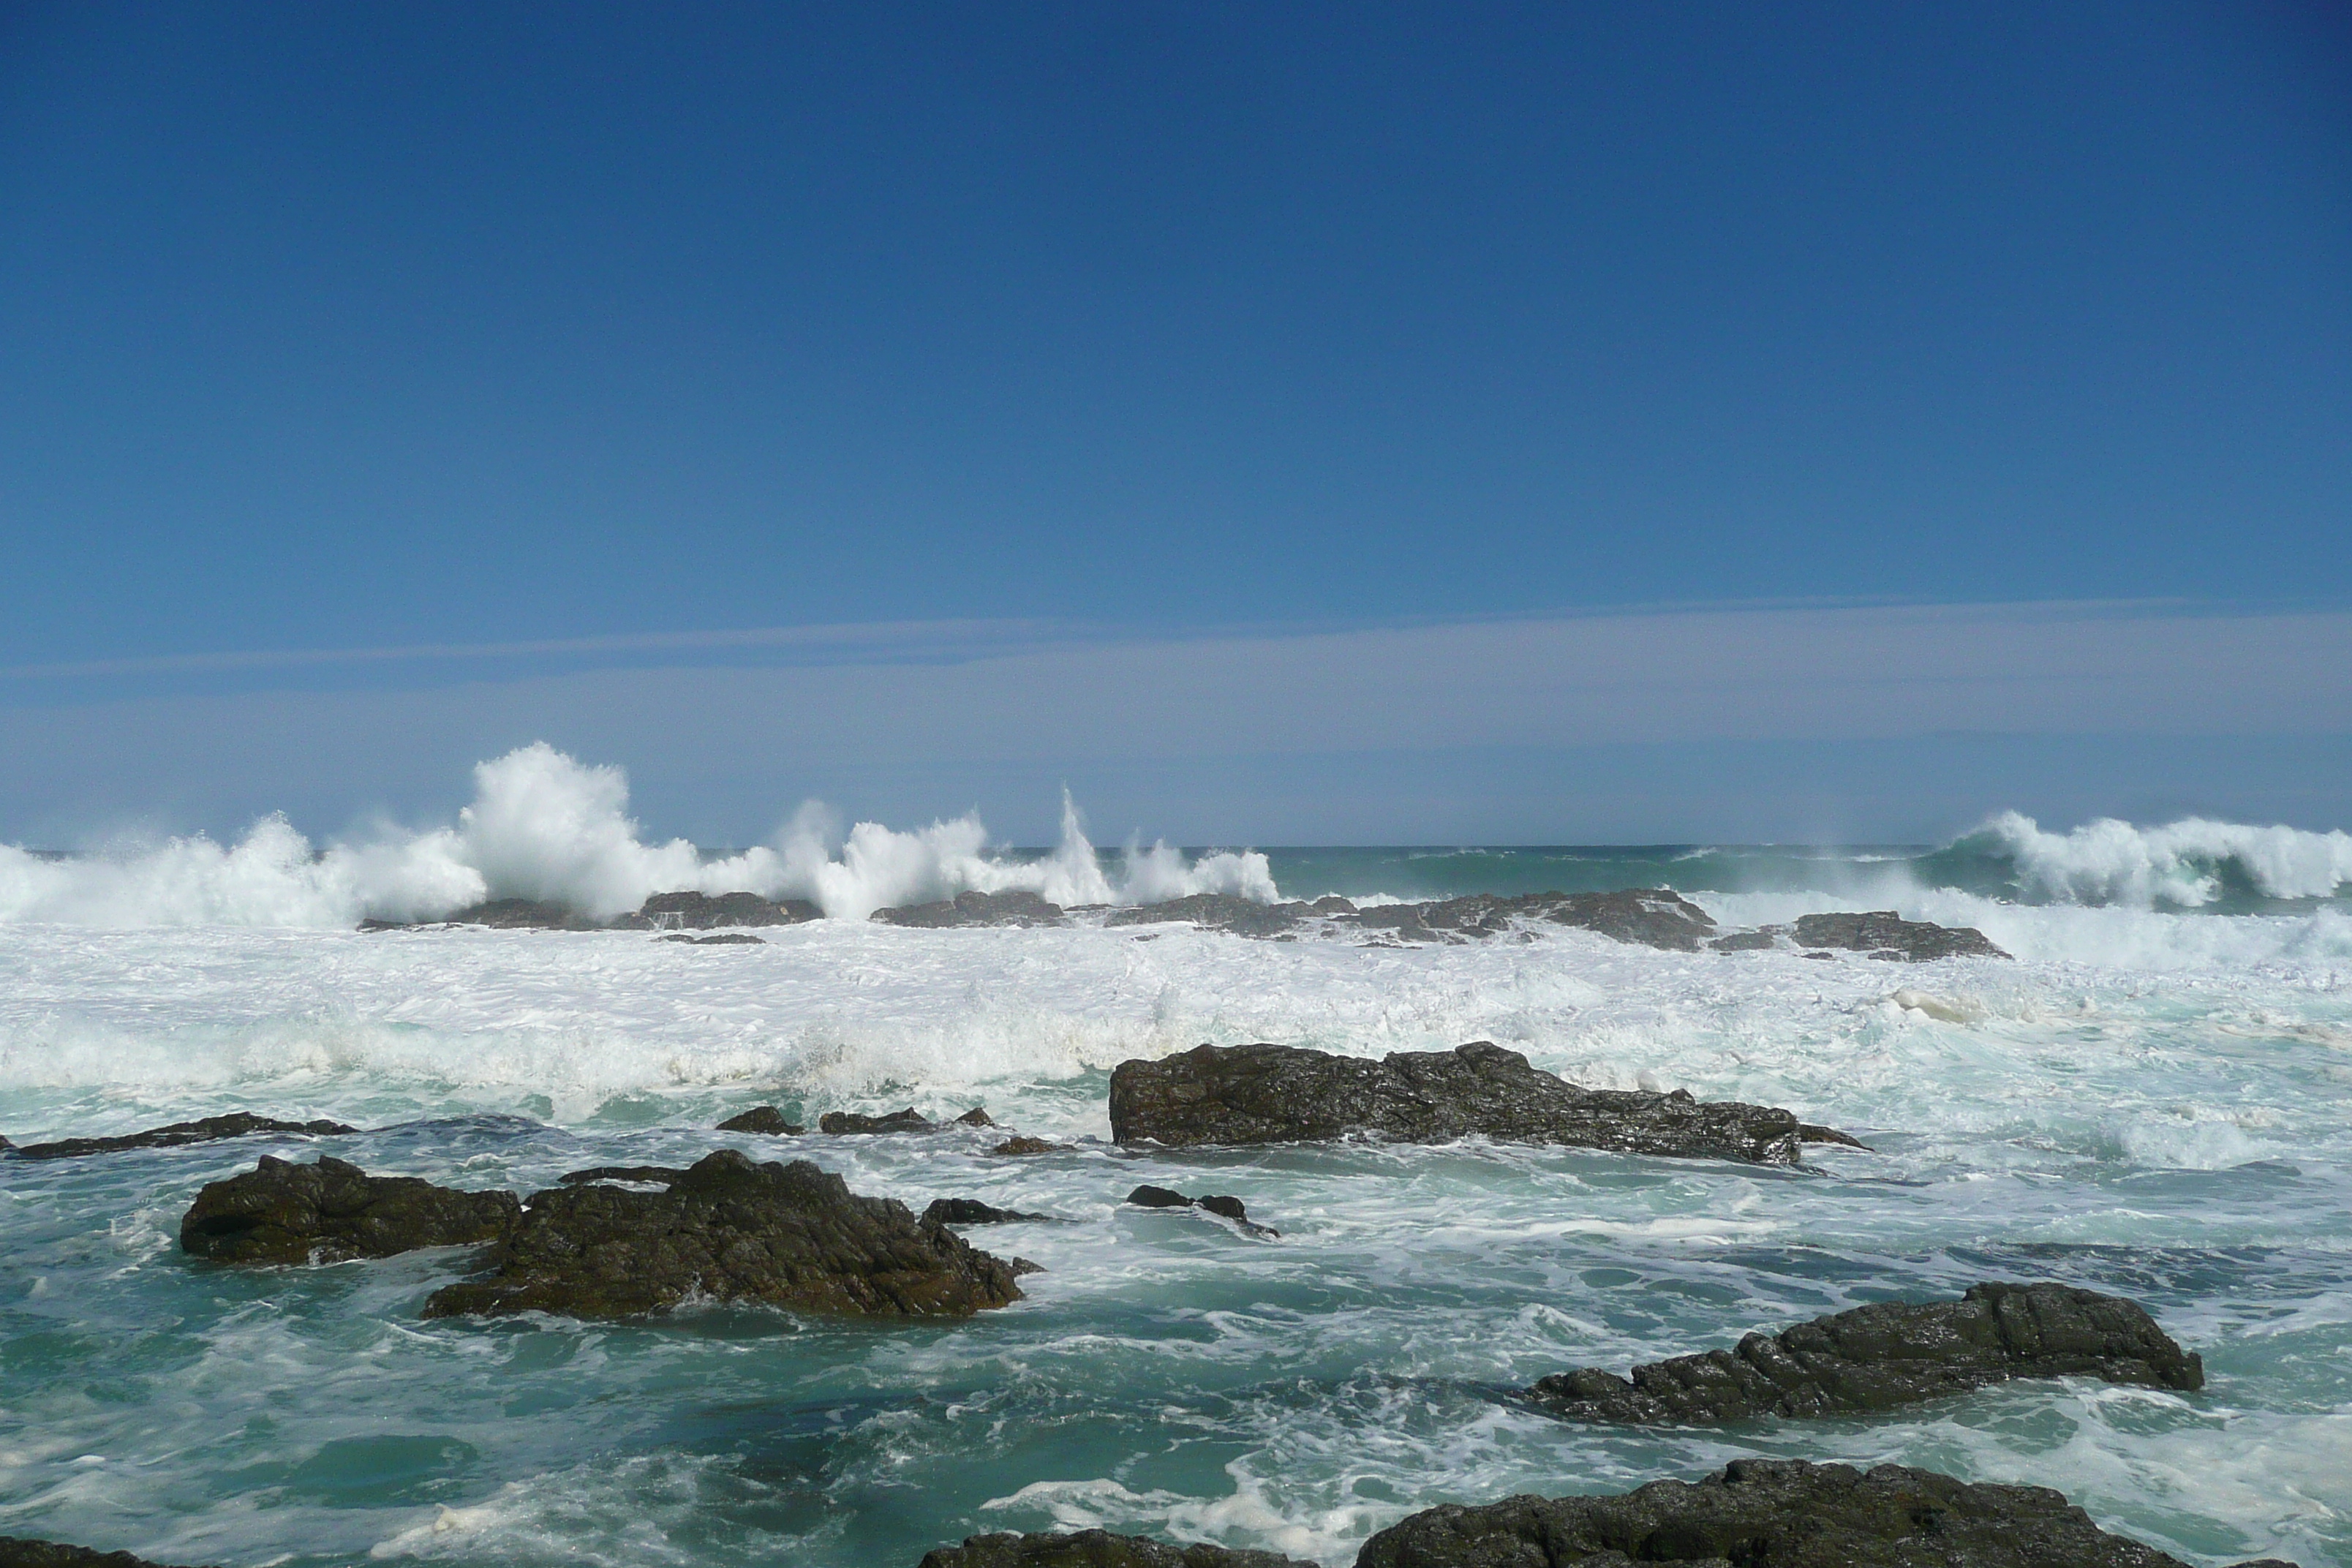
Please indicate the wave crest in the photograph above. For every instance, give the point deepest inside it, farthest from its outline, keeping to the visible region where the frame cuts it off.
(2187, 863)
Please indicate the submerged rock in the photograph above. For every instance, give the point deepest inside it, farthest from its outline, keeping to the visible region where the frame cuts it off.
(762, 1118)
(1286, 1094)
(664, 1175)
(210, 1129)
(1218, 1204)
(17, 1552)
(1218, 911)
(971, 1211)
(973, 909)
(1022, 1143)
(1887, 1354)
(1787, 1513)
(705, 911)
(1655, 917)
(1095, 1549)
(1883, 933)
(730, 1230)
(333, 1210)
(724, 938)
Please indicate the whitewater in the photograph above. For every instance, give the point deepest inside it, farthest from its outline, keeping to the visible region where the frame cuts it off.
(2151, 1100)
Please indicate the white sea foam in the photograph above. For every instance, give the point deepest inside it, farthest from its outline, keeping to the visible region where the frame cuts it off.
(544, 825)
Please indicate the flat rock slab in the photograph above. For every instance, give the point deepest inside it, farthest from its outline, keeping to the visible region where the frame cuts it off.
(730, 1230)
(1884, 933)
(1653, 917)
(1288, 1094)
(211, 1129)
(1787, 1513)
(1888, 1354)
(19, 1552)
(328, 1212)
(706, 911)
(1095, 1549)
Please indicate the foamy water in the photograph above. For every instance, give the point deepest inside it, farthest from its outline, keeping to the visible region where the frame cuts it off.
(2150, 1101)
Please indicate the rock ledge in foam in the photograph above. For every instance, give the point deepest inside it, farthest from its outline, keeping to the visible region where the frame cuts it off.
(331, 1211)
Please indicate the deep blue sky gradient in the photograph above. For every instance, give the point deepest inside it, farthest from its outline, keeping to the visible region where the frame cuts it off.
(369, 326)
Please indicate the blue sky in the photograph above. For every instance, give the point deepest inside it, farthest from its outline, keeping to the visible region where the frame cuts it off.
(548, 357)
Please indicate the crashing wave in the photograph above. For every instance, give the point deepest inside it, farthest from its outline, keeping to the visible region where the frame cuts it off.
(2185, 864)
(545, 827)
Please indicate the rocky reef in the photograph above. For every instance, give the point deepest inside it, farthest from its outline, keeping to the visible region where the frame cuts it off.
(1282, 1094)
(843, 1122)
(210, 1129)
(1222, 1206)
(728, 1230)
(974, 909)
(1788, 1513)
(1888, 1354)
(18, 1553)
(326, 1212)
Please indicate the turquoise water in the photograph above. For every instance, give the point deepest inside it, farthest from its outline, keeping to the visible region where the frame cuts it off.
(2149, 1104)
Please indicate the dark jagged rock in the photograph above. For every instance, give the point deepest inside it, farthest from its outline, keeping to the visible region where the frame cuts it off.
(1883, 933)
(906, 1121)
(724, 938)
(1652, 917)
(521, 914)
(667, 1175)
(210, 1129)
(1887, 1354)
(971, 1211)
(705, 911)
(19, 1552)
(1218, 1204)
(1218, 911)
(1814, 1132)
(1288, 1094)
(973, 909)
(1095, 1549)
(283, 1212)
(1770, 1513)
(762, 1118)
(1746, 942)
(730, 1230)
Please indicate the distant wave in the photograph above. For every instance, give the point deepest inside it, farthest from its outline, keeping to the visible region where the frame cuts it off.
(2194, 863)
(544, 825)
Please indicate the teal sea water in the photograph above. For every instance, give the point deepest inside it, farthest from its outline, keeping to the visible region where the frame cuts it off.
(2154, 1097)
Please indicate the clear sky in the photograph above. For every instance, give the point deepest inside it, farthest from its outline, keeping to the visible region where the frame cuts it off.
(665, 334)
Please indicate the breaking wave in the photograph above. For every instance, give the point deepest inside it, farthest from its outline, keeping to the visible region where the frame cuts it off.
(544, 825)
(2194, 863)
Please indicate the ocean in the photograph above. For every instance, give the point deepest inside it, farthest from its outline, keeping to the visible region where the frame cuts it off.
(2150, 1098)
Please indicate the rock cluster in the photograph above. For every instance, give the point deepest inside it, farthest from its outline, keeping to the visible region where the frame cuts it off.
(1654, 917)
(1787, 1513)
(973, 909)
(906, 1121)
(1280, 1094)
(1885, 934)
(1887, 1354)
(706, 911)
(730, 1230)
(1219, 1203)
(333, 1210)
(240, 1125)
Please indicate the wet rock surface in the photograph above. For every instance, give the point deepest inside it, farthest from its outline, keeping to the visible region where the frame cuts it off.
(1884, 933)
(728, 1229)
(1022, 1143)
(1284, 1094)
(1095, 1549)
(1784, 1513)
(972, 909)
(500, 914)
(842, 1122)
(1224, 1206)
(1219, 911)
(971, 1211)
(17, 1552)
(326, 1212)
(724, 938)
(210, 1129)
(1888, 1354)
(1654, 917)
(762, 1118)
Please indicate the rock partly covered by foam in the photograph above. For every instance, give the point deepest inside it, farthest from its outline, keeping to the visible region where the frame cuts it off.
(971, 1211)
(16, 1552)
(1784, 1513)
(1283, 1094)
(1887, 1354)
(730, 1230)
(762, 1118)
(1654, 917)
(1883, 933)
(1095, 1549)
(706, 912)
(974, 909)
(1218, 911)
(210, 1129)
(284, 1213)
(1224, 1206)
